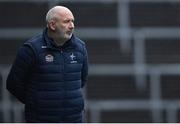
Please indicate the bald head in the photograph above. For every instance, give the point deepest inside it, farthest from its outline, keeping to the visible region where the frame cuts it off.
(57, 12)
(60, 23)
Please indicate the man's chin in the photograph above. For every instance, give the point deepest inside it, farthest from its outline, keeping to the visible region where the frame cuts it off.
(69, 36)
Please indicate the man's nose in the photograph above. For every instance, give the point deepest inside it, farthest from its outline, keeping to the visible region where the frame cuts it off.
(71, 25)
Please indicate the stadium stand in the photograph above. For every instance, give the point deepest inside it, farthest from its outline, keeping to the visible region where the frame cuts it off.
(133, 48)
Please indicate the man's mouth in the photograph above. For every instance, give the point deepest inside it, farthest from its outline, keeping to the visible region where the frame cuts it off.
(69, 32)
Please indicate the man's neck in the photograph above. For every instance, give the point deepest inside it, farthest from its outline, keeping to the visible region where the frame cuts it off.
(58, 41)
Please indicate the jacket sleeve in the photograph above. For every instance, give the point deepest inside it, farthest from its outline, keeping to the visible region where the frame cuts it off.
(19, 73)
(84, 72)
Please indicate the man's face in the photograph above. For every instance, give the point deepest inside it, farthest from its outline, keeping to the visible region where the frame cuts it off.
(65, 25)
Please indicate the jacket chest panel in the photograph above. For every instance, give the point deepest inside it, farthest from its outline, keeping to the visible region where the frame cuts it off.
(59, 61)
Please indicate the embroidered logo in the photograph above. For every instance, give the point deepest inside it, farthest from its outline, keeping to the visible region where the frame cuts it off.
(49, 58)
(72, 56)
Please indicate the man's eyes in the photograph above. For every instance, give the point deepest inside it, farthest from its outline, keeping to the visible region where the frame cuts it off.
(67, 21)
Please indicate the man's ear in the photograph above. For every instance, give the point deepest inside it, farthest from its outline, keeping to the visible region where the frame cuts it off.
(52, 25)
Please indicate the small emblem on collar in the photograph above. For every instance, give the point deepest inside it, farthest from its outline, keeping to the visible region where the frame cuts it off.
(49, 58)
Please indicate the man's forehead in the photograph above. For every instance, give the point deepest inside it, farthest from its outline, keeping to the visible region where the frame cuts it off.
(64, 12)
(65, 15)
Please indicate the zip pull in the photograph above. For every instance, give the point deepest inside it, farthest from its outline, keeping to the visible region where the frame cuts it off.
(61, 49)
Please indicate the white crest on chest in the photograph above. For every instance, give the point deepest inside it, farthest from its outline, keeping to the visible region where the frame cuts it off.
(72, 56)
(49, 58)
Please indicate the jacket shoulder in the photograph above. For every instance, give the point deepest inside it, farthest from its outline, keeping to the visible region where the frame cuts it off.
(34, 40)
(81, 46)
(79, 41)
(35, 43)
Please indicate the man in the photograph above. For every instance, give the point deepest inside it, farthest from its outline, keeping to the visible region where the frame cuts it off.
(50, 71)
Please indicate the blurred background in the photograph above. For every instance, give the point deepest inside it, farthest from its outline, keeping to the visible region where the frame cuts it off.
(134, 54)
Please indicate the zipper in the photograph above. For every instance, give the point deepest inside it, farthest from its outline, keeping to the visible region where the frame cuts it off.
(63, 80)
(63, 63)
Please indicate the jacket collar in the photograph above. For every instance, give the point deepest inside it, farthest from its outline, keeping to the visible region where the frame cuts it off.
(51, 44)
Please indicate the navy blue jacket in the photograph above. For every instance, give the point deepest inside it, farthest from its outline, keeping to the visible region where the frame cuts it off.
(49, 79)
